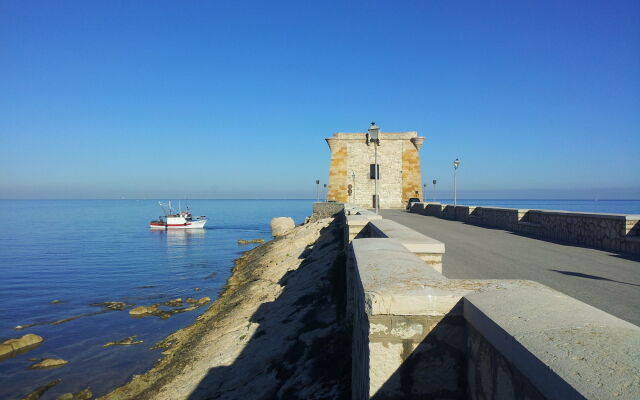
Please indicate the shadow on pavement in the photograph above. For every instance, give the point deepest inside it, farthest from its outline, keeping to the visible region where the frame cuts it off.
(587, 276)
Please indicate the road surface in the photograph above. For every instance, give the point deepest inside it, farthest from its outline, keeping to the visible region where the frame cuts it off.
(605, 280)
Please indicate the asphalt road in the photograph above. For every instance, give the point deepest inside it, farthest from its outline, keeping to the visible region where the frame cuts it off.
(602, 279)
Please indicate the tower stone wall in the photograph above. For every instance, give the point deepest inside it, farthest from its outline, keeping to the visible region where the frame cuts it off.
(399, 161)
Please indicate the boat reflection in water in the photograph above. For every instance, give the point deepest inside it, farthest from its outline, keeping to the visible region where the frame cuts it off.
(179, 237)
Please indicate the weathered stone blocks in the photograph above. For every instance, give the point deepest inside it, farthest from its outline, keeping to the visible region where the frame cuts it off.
(399, 161)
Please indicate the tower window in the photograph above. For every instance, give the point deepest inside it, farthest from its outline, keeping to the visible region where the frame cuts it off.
(372, 171)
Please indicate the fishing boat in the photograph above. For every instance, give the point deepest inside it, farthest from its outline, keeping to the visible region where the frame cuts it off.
(177, 219)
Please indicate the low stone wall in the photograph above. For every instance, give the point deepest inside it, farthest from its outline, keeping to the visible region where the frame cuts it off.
(612, 232)
(545, 344)
(357, 218)
(417, 334)
(326, 209)
(429, 250)
(391, 354)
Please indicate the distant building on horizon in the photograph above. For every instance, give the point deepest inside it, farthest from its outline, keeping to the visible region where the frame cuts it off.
(352, 170)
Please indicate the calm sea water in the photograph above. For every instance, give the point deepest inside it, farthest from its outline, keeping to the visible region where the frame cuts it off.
(89, 251)
(596, 206)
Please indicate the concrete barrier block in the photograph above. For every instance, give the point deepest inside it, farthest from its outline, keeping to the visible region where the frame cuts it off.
(417, 208)
(433, 209)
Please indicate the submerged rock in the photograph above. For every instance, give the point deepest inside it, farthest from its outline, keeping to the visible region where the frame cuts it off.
(197, 289)
(49, 363)
(281, 225)
(142, 311)
(173, 303)
(195, 303)
(211, 275)
(155, 310)
(242, 241)
(164, 314)
(56, 301)
(203, 301)
(198, 302)
(112, 305)
(106, 307)
(85, 394)
(35, 395)
(13, 347)
(124, 342)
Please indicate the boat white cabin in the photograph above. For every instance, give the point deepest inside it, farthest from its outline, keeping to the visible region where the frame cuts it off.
(177, 220)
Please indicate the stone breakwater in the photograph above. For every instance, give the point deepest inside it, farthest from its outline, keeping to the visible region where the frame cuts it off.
(276, 331)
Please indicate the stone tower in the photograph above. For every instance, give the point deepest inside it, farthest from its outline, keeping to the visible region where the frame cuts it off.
(352, 171)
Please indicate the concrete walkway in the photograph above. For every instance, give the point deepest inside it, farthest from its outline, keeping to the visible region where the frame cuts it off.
(602, 279)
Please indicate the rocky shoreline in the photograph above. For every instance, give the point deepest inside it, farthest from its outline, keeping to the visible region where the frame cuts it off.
(276, 331)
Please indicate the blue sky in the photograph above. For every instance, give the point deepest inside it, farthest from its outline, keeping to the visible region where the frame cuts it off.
(233, 99)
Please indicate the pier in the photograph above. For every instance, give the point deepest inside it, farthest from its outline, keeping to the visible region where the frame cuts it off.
(486, 321)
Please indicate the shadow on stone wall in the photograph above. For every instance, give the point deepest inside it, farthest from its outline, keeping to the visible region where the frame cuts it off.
(302, 346)
(434, 368)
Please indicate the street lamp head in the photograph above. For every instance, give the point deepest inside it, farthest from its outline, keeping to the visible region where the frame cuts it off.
(374, 131)
(456, 163)
(317, 181)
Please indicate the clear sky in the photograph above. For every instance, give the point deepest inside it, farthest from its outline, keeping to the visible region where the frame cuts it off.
(213, 99)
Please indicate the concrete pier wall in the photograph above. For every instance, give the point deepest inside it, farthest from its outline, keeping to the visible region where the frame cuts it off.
(611, 232)
(417, 334)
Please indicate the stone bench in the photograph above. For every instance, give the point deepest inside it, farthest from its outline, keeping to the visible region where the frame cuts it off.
(428, 249)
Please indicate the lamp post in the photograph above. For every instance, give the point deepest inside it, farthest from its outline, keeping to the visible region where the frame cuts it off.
(374, 132)
(325, 192)
(424, 192)
(434, 190)
(353, 177)
(317, 190)
(456, 164)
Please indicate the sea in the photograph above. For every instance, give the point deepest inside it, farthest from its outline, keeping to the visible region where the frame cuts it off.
(83, 252)
(60, 257)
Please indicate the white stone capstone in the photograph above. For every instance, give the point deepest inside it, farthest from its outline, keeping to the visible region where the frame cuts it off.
(567, 349)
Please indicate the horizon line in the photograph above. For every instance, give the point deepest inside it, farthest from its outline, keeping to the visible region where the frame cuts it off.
(320, 201)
